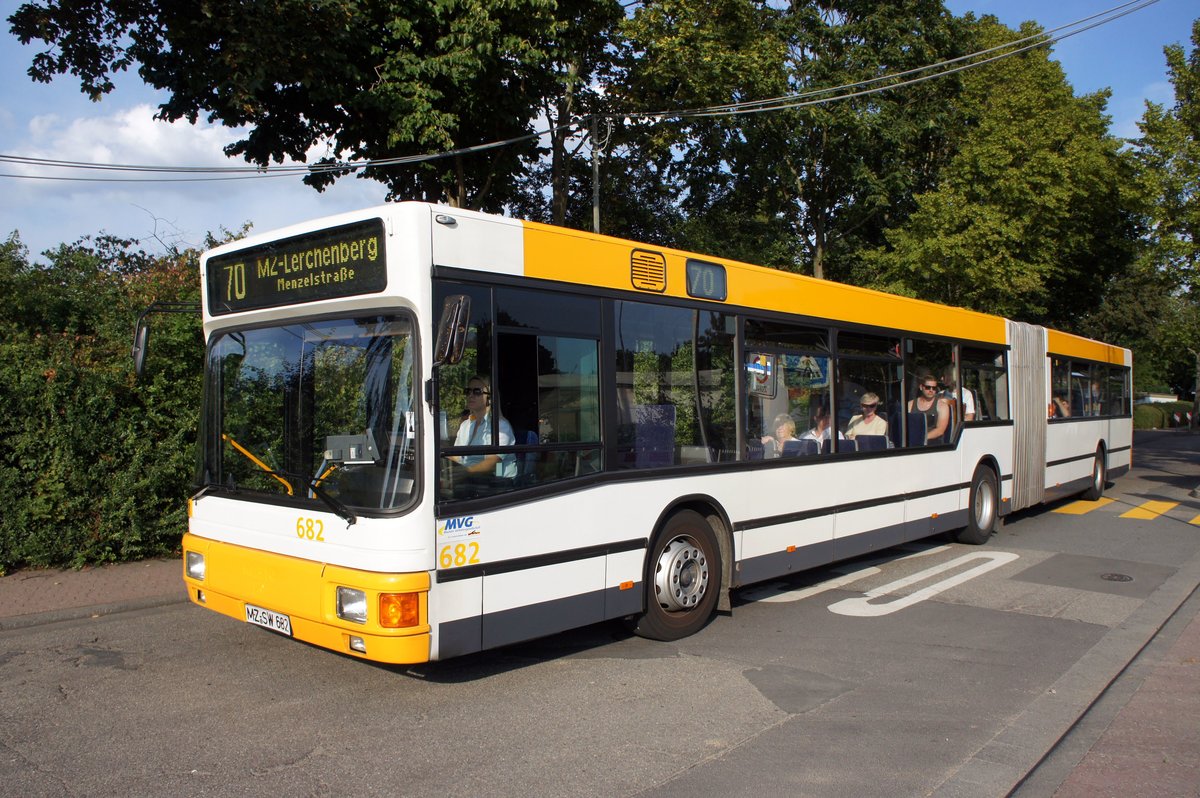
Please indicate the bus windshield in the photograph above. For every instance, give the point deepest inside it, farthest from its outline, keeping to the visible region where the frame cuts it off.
(321, 410)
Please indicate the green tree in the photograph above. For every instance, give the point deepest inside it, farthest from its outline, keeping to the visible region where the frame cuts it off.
(1027, 218)
(1167, 156)
(804, 188)
(363, 80)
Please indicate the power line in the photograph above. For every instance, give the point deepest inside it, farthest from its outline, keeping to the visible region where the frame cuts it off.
(784, 102)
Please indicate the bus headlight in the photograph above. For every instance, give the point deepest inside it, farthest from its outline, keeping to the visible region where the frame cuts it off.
(397, 610)
(351, 605)
(195, 566)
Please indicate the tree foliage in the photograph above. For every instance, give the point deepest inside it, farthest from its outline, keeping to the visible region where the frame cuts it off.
(1167, 179)
(1026, 219)
(363, 80)
(801, 188)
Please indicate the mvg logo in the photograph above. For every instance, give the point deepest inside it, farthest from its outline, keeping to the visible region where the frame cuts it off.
(461, 527)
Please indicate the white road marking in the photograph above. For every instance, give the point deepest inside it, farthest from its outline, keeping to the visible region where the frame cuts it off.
(770, 592)
(863, 608)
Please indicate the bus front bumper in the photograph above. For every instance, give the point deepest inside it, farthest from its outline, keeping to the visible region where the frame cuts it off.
(300, 598)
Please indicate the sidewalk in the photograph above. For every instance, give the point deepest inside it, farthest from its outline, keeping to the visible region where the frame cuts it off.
(29, 598)
(1152, 746)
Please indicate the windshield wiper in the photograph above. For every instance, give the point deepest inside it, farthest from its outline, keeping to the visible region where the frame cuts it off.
(283, 476)
(313, 484)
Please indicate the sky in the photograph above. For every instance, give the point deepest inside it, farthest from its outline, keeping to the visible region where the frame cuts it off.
(56, 121)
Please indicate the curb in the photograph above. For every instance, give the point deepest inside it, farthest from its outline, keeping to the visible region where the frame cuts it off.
(94, 611)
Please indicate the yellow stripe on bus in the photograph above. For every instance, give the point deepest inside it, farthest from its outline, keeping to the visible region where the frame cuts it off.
(574, 256)
(1061, 343)
(1150, 510)
(1082, 506)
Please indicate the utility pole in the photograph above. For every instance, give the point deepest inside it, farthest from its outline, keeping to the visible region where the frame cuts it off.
(1195, 393)
(596, 179)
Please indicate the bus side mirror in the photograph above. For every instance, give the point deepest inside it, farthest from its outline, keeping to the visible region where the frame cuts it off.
(452, 330)
(141, 331)
(141, 336)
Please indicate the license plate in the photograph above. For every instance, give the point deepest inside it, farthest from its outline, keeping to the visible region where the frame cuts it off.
(275, 621)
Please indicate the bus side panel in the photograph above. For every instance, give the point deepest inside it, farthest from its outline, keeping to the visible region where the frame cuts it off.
(623, 589)
(1120, 446)
(457, 605)
(785, 548)
(531, 603)
(868, 529)
(1070, 453)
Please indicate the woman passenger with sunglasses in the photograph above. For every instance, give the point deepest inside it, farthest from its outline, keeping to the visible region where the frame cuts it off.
(868, 422)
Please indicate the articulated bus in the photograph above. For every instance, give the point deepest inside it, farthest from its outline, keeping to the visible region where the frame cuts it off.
(428, 431)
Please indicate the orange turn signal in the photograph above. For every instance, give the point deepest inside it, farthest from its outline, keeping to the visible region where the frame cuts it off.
(397, 610)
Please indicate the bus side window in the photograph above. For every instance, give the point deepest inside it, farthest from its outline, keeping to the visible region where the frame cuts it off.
(550, 393)
(985, 375)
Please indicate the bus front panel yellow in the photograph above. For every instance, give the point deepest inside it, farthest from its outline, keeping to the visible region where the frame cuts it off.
(300, 598)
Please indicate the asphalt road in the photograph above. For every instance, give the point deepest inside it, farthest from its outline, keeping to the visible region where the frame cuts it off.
(935, 669)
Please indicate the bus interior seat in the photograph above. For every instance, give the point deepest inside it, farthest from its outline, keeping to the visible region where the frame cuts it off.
(527, 462)
(799, 448)
(871, 443)
(916, 428)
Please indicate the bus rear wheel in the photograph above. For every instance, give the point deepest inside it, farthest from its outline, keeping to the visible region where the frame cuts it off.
(1099, 477)
(982, 508)
(683, 578)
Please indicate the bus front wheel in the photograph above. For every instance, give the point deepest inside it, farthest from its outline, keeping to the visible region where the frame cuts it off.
(982, 508)
(683, 578)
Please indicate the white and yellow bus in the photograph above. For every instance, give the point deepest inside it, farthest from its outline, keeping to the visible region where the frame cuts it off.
(428, 431)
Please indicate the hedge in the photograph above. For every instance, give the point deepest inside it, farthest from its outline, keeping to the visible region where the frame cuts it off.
(96, 467)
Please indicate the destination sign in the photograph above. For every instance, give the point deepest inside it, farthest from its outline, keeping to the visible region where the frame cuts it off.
(340, 261)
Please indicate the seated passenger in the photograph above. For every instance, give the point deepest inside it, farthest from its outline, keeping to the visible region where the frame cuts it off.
(476, 430)
(929, 404)
(1059, 407)
(821, 430)
(785, 430)
(869, 422)
(950, 394)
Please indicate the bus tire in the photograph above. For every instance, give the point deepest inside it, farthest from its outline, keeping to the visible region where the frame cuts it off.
(683, 578)
(1099, 477)
(983, 508)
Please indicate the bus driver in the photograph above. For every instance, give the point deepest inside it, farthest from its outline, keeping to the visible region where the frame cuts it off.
(476, 430)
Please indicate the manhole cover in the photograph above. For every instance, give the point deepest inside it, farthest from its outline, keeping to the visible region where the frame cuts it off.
(1116, 577)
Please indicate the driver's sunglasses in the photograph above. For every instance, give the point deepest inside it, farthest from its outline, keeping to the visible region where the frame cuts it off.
(474, 391)
(868, 407)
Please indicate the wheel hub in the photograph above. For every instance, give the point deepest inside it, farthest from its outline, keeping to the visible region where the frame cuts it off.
(681, 577)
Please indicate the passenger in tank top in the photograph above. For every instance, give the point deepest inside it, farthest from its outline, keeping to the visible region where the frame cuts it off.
(937, 414)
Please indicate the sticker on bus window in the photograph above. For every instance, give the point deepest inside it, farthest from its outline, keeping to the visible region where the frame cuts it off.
(811, 372)
(761, 368)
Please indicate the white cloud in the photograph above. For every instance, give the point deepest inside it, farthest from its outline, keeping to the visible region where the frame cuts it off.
(51, 212)
(128, 136)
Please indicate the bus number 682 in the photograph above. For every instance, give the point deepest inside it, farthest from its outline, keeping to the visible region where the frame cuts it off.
(459, 554)
(310, 529)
